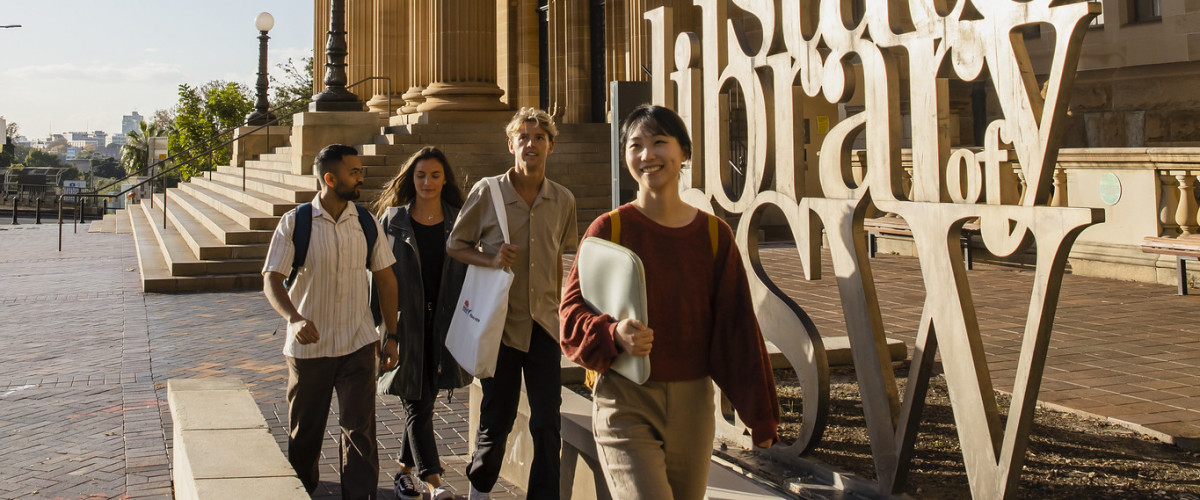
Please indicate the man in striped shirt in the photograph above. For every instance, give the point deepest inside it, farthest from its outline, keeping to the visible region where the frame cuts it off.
(331, 339)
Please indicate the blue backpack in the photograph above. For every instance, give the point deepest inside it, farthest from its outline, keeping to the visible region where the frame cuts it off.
(303, 232)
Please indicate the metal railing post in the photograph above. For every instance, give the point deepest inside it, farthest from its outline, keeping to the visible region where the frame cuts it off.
(14, 210)
(60, 223)
(76, 228)
(37, 218)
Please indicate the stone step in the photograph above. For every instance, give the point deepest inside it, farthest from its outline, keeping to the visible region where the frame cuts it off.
(225, 229)
(156, 277)
(262, 202)
(274, 189)
(178, 254)
(203, 243)
(244, 215)
(305, 182)
(122, 225)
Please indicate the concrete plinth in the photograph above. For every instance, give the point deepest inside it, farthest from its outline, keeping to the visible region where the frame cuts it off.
(316, 129)
(251, 142)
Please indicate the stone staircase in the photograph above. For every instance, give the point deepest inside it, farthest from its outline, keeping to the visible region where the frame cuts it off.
(216, 234)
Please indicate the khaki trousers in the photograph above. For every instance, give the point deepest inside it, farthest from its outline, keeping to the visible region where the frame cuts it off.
(655, 440)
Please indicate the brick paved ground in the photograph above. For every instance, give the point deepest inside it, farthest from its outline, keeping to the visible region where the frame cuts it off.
(1125, 351)
(78, 415)
(86, 357)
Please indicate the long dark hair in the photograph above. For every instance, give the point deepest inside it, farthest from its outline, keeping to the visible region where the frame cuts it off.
(401, 189)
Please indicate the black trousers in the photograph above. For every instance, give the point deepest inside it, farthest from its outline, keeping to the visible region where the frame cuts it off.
(419, 445)
(501, 394)
(311, 383)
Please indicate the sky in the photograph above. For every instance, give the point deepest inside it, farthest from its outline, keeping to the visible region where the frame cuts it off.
(81, 65)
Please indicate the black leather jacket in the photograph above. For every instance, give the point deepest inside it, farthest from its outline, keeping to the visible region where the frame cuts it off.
(409, 380)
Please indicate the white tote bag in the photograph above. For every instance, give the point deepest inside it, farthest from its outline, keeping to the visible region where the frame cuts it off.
(478, 322)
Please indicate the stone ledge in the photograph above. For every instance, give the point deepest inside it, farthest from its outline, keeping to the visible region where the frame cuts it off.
(222, 445)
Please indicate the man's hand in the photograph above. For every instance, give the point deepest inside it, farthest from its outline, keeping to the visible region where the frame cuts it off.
(389, 355)
(505, 257)
(306, 331)
(633, 337)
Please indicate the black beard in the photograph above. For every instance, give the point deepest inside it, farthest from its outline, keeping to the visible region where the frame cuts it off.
(347, 193)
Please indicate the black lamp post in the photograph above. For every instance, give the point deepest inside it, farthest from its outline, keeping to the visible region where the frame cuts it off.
(336, 97)
(262, 115)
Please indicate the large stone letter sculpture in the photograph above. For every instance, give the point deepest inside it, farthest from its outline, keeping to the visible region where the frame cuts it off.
(813, 48)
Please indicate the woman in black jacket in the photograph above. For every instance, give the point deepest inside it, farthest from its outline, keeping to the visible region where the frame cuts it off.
(417, 210)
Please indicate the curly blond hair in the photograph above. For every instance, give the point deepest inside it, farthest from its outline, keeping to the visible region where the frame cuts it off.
(524, 115)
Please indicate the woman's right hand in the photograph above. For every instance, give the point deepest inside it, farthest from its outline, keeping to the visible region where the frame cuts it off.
(633, 337)
(505, 257)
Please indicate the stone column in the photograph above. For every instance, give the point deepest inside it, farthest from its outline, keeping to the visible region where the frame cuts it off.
(464, 58)
(570, 62)
(418, 62)
(391, 34)
(360, 41)
(320, 37)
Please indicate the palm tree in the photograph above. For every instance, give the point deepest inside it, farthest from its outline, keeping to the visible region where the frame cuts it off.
(135, 154)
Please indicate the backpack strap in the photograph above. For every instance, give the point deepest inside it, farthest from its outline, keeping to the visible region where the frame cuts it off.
(300, 236)
(302, 233)
(367, 221)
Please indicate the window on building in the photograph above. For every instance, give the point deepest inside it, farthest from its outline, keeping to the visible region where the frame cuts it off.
(1145, 11)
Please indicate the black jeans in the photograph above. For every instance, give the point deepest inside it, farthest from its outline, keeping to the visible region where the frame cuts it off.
(501, 394)
(418, 445)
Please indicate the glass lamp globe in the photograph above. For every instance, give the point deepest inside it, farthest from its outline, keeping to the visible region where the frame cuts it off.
(264, 21)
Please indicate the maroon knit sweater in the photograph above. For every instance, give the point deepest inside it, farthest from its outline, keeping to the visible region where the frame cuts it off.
(699, 308)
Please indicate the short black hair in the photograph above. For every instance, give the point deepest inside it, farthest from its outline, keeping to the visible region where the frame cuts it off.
(657, 120)
(330, 157)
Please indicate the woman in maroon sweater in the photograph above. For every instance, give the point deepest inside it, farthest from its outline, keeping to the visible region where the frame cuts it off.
(655, 440)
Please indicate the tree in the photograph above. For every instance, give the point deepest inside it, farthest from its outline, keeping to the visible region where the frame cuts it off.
(42, 159)
(136, 151)
(11, 130)
(164, 119)
(108, 168)
(205, 117)
(296, 85)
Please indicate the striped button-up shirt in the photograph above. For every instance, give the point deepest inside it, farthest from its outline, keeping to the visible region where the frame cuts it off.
(332, 289)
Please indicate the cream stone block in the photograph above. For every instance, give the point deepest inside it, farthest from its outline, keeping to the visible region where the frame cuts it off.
(215, 410)
(314, 130)
(227, 453)
(269, 488)
(251, 143)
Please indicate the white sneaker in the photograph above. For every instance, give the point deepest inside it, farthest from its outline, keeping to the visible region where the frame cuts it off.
(441, 493)
(478, 495)
(406, 487)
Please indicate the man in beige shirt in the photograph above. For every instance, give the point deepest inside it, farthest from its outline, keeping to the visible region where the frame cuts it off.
(541, 220)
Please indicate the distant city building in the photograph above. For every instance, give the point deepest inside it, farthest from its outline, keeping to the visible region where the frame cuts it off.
(118, 140)
(4, 126)
(130, 123)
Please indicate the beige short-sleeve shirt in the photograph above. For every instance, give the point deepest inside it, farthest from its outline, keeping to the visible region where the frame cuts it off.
(542, 233)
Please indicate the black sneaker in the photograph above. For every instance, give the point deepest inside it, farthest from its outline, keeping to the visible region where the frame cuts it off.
(405, 487)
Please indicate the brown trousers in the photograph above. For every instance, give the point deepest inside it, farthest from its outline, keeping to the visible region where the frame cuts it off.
(655, 440)
(311, 383)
